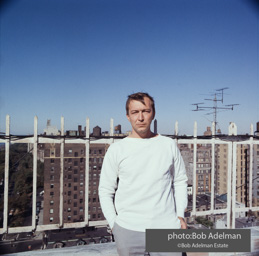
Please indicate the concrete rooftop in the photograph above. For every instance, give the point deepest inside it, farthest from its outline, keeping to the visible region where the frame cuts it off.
(109, 249)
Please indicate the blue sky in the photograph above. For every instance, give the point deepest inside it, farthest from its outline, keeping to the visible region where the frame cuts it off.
(82, 58)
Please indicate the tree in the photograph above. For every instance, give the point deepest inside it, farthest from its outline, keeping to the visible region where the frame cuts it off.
(204, 222)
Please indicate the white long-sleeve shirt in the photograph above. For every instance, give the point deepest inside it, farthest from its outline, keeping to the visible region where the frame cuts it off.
(143, 184)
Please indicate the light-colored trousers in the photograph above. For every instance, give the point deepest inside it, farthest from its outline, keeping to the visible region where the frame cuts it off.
(129, 242)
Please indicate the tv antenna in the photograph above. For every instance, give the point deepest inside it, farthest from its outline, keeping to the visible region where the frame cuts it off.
(218, 96)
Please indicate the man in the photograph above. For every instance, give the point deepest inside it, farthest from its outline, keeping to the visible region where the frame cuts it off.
(143, 181)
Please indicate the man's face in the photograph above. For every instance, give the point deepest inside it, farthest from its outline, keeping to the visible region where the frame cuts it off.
(140, 117)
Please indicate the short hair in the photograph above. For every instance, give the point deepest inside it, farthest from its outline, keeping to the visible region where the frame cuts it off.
(139, 96)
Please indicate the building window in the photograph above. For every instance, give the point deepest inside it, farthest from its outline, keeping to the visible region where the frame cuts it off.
(51, 210)
(81, 184)
(52, 169)
(69, 193)
(51, 193)
(70, 151)
(75, 188)
(51, 185)
(52, 161)
(75, 204)
(69, 209)
(75, 212)
(81, 201)
(52, 152)
(81, 209)
(75, 196)
(51, 202)
(68, 217)
(69, 185)
(51, 177)
(81, 192)
(51, 219)
(75, 163)
(75, 179)
(76, 154)
(75, 171)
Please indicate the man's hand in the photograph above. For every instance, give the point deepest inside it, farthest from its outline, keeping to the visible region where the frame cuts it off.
(183, 223)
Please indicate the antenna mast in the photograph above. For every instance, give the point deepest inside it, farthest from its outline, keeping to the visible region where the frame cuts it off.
(218, 96)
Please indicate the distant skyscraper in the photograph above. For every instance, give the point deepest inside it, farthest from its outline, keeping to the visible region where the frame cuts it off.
(203, 169)
(242, 171)
(242, 174)
(203, 166)
(155, 126)
(221, 169)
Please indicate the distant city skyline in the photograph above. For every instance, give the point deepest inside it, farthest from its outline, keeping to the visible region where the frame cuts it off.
(82, 58)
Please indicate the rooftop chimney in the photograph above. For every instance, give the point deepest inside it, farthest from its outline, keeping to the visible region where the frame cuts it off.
(79, 130)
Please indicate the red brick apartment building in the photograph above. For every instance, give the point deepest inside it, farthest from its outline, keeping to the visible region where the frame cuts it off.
(74, 186)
